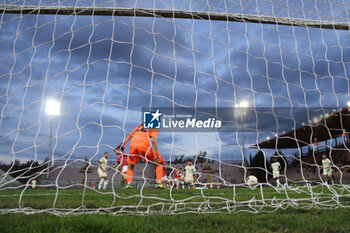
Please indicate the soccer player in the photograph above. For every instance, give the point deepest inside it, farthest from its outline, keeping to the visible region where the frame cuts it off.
(276, 166)
(178, 177)
(102, 172)
(33, 184)
(121, 159)
(143, 140)
(189, 172)
(165, 180)
(327, 169)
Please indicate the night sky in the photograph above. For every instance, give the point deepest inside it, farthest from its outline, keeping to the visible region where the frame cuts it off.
(104, 69)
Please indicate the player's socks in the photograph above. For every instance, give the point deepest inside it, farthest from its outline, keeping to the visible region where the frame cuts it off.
(105, 184)
(101, 183)
(278, 182)
(159, 173)
(129, 174)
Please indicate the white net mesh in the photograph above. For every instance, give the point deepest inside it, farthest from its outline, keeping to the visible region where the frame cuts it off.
(104, 61)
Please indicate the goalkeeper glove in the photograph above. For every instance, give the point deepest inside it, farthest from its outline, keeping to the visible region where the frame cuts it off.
(120, 148)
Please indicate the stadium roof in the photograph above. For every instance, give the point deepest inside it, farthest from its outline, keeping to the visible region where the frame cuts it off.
(332, 126)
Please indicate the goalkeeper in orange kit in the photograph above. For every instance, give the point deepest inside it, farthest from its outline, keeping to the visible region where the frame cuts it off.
(141, 147)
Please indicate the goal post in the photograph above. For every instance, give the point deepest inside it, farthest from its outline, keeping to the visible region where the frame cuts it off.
(136, 12)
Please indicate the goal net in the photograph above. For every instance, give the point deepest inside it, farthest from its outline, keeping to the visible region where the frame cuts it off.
(254, 93)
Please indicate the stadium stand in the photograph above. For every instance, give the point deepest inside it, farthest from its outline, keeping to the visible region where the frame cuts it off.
(7, 180)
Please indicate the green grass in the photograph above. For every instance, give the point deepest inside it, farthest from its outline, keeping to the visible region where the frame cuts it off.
(259, 210)
(185, 200)
(280, 221)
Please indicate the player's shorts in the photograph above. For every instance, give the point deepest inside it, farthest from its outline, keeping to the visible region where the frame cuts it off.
(189, 181)
(136, 153)
(124, 168)
(165, 178)
(101, 173)
(177, 181)
(276, 174)
(327, 172)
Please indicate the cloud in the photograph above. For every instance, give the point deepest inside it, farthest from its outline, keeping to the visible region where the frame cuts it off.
(102, 68)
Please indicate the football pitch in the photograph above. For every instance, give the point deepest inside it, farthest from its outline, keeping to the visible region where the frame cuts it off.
(262, 209)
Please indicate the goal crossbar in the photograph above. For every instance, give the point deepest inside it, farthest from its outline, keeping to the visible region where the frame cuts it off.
(108, 11)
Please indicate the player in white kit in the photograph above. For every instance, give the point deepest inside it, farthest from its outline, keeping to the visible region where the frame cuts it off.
(189, 173)
(33, 184)
(102, 172)
(327, 169)
(276, 167)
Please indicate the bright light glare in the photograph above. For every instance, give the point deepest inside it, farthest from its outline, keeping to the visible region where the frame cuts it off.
(243, 104)
(348, 103)
(53, 107)
(240, 111)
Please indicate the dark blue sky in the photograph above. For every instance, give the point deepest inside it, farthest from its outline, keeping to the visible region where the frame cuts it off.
(104, 69)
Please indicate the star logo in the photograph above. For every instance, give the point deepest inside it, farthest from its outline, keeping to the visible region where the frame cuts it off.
(156, 115)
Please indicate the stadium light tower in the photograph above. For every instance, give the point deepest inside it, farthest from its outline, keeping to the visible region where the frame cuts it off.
(240, 112)
(52, 109)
